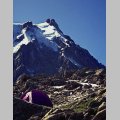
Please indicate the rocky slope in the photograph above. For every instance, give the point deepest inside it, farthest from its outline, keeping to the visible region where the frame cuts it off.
(44, 48)
(76, 95)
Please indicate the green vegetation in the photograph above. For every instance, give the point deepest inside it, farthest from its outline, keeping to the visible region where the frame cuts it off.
(83, 105)
(78, 106)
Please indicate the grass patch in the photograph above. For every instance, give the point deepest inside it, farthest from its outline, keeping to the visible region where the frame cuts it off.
(83, 105)
(78, 106)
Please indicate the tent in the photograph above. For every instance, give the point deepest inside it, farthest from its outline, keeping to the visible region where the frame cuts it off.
(37, 97)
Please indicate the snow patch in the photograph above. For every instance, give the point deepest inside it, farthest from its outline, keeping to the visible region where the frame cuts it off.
(43, 33)
(93, 85)
(31, 34)
(58, 87)
(49, 31)
(84, 83)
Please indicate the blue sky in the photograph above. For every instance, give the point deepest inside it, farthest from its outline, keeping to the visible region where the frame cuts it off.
(83, 20)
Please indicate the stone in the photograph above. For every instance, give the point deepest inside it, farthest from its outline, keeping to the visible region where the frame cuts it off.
(94, 104)
(63, 115)
(23, 110)
(102, 106)
(101, 115)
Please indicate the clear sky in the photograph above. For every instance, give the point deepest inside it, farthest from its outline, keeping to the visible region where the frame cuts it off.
(83, 20)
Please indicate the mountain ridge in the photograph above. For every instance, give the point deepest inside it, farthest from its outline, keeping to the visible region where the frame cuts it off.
(43, 48)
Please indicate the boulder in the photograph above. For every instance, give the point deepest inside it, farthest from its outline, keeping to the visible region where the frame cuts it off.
(22, 78)
(63, 115)
(102, 106)
(87, 86)
(101, 115)
(23, 110)
(94, 104)
(57, 82)
(72, 85)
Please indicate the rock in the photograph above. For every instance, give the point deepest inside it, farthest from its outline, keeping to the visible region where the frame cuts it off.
(102, 106)
(22, 78)
(94, 104)
(93, 95)
(99, 71)
(101, 115)
(27, 24)
(100, 92)
(19, 38)
(57, 82)
(23, 110)
(30, 84)
(91, 111)
(87, 117)
(66, 93)
(102, 99)
(76, 116)
(72, 85)
(48, 20)
(71, 101)
(87, 86)
(63, 115)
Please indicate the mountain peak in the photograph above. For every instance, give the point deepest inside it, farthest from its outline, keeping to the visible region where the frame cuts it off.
(43, 48)
(52, 22)
(27, 24)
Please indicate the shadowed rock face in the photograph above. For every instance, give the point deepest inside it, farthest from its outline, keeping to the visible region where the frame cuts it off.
(31, 59)
(23, 110)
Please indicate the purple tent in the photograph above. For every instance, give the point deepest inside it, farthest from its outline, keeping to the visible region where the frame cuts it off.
(37, 97)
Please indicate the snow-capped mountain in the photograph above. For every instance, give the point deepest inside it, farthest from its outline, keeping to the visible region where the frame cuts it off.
(43, 48)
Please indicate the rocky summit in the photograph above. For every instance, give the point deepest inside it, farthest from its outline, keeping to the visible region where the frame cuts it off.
(75, 94)
(44, 48)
